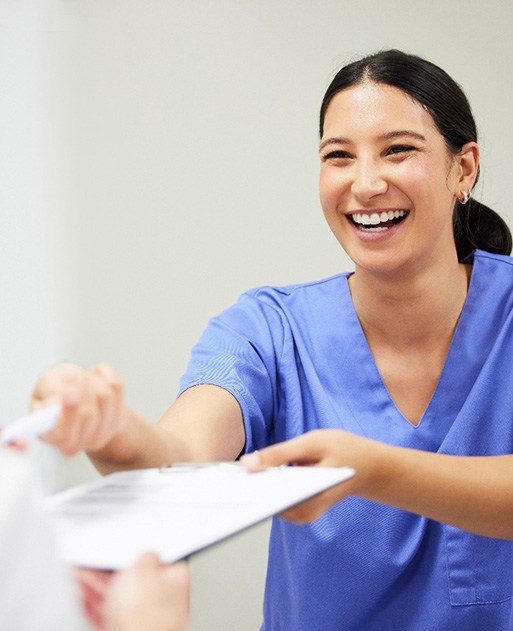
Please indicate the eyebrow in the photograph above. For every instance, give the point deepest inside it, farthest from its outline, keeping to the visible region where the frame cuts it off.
(391, 135)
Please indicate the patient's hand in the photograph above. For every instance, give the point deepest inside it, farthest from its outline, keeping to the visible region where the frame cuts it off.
(93, 406)
(94, 585)
(148, 595)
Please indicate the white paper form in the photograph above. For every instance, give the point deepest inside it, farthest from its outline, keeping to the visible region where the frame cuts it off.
(175, 512)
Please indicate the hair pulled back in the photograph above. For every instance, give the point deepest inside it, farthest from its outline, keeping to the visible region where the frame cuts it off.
(475, 225)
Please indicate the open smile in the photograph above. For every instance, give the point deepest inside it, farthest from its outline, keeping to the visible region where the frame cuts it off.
(378, 221)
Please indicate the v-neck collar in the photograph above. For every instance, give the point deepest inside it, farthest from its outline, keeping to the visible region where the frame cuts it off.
(373, 403)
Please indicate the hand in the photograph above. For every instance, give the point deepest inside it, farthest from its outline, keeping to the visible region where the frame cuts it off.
(94, 585)
(17, 445)
(148, 595)
(93, 407)
(323, 448)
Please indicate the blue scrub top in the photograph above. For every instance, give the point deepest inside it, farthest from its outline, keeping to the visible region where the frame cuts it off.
(296, 359)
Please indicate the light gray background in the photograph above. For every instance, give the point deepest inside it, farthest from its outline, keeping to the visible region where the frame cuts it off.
(159, 157)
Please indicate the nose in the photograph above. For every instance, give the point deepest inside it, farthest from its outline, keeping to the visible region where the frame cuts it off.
(368, 180)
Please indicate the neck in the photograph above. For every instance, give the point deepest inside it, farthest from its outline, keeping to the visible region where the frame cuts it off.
(406, 309)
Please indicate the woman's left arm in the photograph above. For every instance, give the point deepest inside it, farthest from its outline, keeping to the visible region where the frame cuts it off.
(471, 493)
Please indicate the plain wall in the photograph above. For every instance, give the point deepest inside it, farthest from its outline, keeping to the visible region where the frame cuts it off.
(187, 156)
(37, 228)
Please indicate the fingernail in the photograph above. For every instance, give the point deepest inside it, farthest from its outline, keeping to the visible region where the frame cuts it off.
(251, 461)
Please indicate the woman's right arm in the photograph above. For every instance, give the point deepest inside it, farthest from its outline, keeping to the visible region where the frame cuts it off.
(204, 423)
(471, 493)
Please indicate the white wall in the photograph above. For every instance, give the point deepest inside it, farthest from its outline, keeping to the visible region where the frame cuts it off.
(192, 154)
(25, 262)
(34, 224)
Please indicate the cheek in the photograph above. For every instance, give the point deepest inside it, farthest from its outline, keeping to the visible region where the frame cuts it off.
(331, 190)
(331, 194)
(411, 175)
(431, 187)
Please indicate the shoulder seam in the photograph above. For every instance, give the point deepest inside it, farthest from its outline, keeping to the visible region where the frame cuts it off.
(289, 289)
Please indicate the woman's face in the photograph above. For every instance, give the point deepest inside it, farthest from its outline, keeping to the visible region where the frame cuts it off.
(388, 183)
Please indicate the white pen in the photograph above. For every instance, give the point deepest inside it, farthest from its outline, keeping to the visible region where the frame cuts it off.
(31, 425)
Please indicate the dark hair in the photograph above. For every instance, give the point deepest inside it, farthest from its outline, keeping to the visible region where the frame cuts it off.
(475, 225)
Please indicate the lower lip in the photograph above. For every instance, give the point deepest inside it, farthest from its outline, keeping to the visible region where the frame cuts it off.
(370, 235)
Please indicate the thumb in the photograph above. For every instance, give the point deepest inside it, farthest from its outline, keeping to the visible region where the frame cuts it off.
(293, 451)
(148, 561)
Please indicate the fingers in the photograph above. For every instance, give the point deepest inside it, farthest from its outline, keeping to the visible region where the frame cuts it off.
(175, 575)
(177, 581)
(78, 419)
(149, 595)
(93, 586)
(93, 408)
(49, 389)
(110, 395)
(17, 445)
(304, 450)
(315, 448)
(147, 562)
(179, 573)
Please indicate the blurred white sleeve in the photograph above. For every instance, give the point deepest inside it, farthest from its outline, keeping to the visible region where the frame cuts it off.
(37, 591)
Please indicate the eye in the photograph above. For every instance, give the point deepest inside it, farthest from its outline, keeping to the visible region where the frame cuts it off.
(336, 155)
(400, 149)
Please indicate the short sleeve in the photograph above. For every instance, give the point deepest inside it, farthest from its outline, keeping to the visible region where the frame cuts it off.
(239, 351)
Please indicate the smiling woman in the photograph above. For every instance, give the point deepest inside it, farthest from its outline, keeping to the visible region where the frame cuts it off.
(397, 364)
(382, 153)
(429, 87)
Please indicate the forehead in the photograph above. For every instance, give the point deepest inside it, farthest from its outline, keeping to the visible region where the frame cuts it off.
(375, 109)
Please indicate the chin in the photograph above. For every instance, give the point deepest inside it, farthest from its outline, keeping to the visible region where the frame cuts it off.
(382, 263)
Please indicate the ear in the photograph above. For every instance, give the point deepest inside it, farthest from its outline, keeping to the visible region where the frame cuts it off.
(468, 164)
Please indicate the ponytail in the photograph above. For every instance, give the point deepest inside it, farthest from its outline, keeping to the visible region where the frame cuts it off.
(478, 227)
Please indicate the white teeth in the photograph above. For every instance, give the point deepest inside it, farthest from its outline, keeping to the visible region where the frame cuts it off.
(374, 219)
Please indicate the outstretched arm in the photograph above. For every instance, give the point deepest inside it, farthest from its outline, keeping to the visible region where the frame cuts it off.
(471, 493)
(204, 423)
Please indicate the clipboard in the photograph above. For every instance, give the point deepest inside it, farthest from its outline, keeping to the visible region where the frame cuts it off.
(174, 512)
